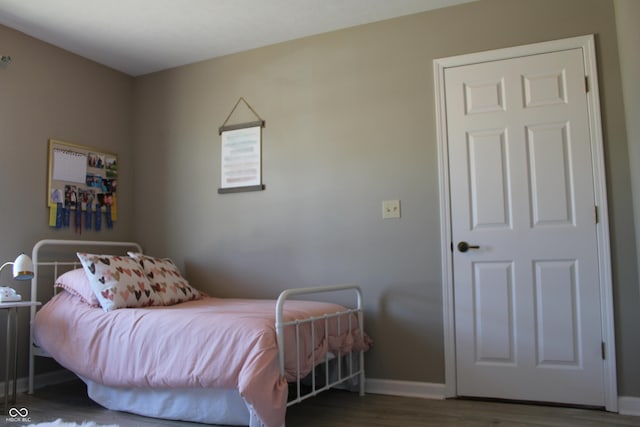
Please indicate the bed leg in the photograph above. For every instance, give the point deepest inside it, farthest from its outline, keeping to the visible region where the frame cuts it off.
(31, 367)
(362, 377)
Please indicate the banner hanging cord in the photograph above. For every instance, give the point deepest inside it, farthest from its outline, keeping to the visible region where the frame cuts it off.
(236, 106)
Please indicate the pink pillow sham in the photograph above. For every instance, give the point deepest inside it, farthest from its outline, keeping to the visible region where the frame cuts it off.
(77, 283)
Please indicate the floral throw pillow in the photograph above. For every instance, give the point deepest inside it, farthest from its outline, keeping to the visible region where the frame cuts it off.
(165, 279)
(118, 281)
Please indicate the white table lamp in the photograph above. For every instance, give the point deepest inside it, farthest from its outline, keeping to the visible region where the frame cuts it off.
(22, 270)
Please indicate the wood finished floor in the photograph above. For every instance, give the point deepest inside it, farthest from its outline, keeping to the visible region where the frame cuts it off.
(69, 401)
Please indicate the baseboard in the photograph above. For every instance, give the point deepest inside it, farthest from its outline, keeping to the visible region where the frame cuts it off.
(405, 388)
(626, 405)
(41, 380)
(629, 406)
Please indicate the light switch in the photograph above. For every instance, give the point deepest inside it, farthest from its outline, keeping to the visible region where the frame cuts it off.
(391, 209)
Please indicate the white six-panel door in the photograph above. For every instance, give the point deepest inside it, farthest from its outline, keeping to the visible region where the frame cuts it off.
(527, 300)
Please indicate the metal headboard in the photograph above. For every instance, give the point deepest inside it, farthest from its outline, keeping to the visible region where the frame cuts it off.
(67, 260)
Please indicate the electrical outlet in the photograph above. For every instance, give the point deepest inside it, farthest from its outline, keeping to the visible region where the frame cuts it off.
(391, 209)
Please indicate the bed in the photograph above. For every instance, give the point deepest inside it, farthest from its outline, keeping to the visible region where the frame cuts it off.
(196, 357)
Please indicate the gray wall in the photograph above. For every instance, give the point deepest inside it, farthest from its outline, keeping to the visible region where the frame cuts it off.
(50, 93)
(627, 14)
(350, 122)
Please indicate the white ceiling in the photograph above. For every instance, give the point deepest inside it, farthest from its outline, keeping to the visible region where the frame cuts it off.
(143, 36)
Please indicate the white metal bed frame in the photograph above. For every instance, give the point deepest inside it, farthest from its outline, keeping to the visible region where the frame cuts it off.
(335, 373)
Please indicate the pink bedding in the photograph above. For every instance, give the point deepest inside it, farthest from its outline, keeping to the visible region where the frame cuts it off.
(211, 342)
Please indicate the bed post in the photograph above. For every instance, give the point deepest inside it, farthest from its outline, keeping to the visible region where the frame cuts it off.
(34, 298)
(361, 321)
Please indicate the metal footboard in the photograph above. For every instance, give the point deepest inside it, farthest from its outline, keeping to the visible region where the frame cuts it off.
(354, 360)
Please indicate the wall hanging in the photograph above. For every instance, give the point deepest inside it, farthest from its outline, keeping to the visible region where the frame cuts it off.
(82, 182)
(241, 156)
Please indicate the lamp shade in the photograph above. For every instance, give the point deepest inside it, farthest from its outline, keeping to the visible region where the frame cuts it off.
(23, 268)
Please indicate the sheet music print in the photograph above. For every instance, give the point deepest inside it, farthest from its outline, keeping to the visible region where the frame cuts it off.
(241, 158)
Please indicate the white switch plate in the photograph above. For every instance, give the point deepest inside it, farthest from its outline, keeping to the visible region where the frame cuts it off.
(391, 209)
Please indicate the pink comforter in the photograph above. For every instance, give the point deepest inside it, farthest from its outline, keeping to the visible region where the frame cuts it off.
(211, 342)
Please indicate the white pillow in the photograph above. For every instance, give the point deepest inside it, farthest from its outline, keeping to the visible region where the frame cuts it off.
(118, 281)
(165, 279)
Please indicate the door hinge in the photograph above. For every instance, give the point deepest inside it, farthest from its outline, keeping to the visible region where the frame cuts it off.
(596, 217)
(586, 83)
(604, 353)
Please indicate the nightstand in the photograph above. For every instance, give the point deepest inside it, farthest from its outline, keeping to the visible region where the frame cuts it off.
(12, 345)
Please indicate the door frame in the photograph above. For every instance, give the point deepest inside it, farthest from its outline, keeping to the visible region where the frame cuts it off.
(587, 44)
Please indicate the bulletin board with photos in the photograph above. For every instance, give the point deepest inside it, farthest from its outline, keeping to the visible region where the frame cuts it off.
(81, 179)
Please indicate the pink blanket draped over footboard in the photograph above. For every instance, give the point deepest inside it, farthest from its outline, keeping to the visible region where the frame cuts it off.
(210, 342)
